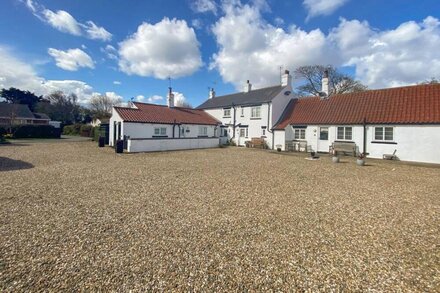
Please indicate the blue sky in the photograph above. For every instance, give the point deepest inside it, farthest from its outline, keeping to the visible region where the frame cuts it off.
(129, 48)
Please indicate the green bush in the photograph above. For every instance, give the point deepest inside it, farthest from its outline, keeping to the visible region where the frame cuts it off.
(73, 129)
(86, 130)
(35, 131)
(96, 132)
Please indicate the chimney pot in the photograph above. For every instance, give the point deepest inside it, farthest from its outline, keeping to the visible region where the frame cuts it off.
(286, 79)
(212, 93)
(247, 87)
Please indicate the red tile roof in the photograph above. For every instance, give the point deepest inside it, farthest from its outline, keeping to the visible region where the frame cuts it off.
(418, 104)
(151, 113)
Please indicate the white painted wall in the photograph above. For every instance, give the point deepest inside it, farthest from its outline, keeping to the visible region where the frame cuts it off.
(169, 144)
(415, 143)
(279, 139)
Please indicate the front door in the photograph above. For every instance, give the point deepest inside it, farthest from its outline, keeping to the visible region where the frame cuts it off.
(323, 139)
(241, 139)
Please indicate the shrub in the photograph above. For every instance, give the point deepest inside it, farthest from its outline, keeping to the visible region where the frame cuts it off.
(73, 129)
(86, 130)
(35, 131)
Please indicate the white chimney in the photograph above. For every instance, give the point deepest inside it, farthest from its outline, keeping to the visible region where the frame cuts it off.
(325, 85)
(286, 79)
(247, 87)
(170, 99)
(212, 93)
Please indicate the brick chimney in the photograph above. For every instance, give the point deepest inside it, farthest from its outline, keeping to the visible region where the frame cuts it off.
(170, 98)
(286, 79)
(247, 87)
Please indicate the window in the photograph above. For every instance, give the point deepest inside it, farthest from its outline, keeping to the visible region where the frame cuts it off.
(323, 133)
(256, 112)
(345, 133)
(299, 133)
(242, 132)
(160, 131)
(242, 112)
(384, 133)
(247, 132)
(263, 132)
(203, 131)
(227, 112)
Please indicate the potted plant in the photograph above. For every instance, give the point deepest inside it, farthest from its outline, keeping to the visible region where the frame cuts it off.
(278, 147)
(335, 158)
(360, 161)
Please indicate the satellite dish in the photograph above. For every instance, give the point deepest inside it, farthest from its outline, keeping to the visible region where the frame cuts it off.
(286, 93)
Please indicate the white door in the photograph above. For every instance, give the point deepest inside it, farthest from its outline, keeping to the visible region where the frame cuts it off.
(323, 143)
(242, 136)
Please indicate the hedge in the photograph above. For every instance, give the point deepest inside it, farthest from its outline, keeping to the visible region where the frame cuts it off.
(34, 131)
(73, 129)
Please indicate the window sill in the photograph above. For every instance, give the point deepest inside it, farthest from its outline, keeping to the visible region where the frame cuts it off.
(226, 116)
(160, 136)
(347, 141)
(384, 142)
(202, 136)
(255, 118)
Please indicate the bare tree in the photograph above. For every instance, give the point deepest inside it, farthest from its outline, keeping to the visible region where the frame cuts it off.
(339, 83)
(102, 105)
(433, 80)
(61, 107)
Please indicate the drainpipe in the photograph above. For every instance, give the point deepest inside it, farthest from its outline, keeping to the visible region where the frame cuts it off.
(179, 129)
(174, 125)
(268, 122)
(233, 123)
(365, 136)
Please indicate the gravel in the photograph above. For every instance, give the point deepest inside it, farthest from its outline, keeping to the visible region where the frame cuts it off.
(78, 217)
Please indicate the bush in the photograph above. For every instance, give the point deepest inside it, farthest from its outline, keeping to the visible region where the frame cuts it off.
(35, 131)
(86, 130)
(73, 129)
(96, 132)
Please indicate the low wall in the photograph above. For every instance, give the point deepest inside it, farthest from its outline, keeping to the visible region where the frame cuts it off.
(170, 144)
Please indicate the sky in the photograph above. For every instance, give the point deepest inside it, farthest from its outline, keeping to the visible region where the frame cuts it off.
(136, 49)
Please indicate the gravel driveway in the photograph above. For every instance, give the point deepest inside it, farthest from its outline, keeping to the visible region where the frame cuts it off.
(77, 217)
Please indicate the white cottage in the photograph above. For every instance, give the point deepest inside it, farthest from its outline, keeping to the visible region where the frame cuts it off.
(251, 113)
(150, 127)
(404, 121)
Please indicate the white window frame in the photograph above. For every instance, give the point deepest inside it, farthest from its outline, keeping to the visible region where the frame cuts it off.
(227, 110)
(383, 135)
(344, 133)
(160, 131)
(299, 133)
(203, 130)
(256, 112)
(242, 131)
(242, 112)
(263, 131)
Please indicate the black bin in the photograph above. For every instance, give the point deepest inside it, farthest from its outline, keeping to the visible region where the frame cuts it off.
(119, 146)
(101, 141)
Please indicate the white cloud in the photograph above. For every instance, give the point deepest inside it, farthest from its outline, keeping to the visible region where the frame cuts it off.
(117, 82)
(250, 48)
(203, 6)
(65, 22)
(110, 52)
(140, 98)
(72, 59)
(155, 99)
(17, 73)
(278, 21)
(405, 55)
(322, 7)
(180, 100)
(167, 48)
(62, 21)
(197, 23)
(97, 32)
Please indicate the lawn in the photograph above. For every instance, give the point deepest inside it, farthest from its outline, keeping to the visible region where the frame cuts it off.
(77, 217)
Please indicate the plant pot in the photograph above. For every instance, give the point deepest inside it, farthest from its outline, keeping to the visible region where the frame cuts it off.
(312, 154)
(335, 159)
(279, 149)
(360, 162)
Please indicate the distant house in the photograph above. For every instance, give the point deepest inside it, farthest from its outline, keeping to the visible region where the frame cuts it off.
(149, 127)
(404, 120)
(251, 113)
(19, 114)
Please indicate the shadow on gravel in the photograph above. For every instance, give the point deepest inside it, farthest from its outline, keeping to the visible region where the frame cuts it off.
(7, 164)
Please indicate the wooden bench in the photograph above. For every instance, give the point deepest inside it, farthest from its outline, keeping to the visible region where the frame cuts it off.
(344, 147)
(257, 142)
